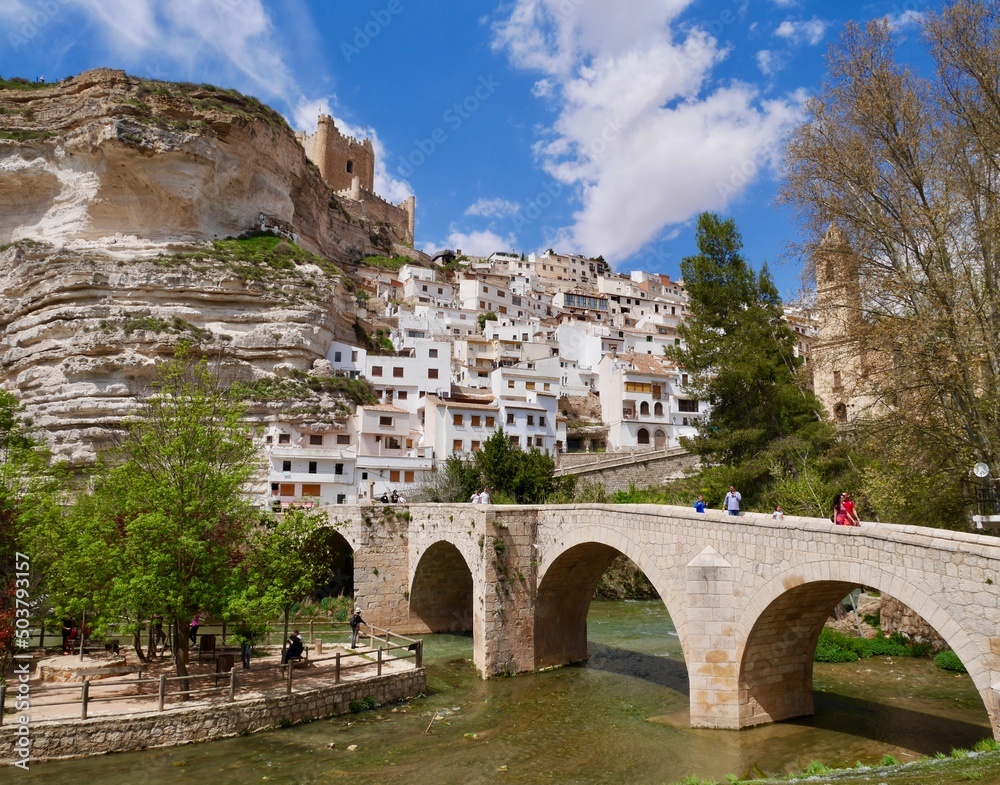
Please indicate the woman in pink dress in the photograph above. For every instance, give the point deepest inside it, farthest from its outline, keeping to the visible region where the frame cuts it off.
(848, 504)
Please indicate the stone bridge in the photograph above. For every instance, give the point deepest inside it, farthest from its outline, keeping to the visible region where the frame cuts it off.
(748, 596)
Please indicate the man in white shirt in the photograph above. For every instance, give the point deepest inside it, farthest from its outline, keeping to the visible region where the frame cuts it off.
(484, 496)
(732, 501)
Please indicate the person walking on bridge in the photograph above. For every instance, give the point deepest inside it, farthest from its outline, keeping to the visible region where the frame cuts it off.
(732, 501)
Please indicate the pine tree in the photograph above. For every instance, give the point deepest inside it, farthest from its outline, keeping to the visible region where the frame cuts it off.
(739, 354)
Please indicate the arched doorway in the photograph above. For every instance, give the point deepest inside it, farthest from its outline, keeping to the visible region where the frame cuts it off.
(659, 439)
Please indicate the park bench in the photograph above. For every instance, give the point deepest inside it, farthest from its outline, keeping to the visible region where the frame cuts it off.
(302, 659)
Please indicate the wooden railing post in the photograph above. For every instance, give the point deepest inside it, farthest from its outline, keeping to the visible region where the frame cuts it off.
(420, 654)
(232, 684)
(310, 631)
(162, 693)
(3, 697)
(336, 673)
(288, 687)
(83, 698)
(379, 673)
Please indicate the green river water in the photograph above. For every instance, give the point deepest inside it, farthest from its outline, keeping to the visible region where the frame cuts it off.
(621, 718)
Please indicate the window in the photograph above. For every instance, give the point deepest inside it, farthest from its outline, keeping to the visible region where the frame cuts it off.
(354, 357)
(510, 419)
(376, 370)
(268, 439)
(393, 443)
(456, 446)
(343, 438)
(401, 395)
(432, 373)
(338, 468)
(364, 475)
(341, 498)
(408, 477)
(336, 357)
(510, 384)
(284, 438)
(288, 489)
(515, 441)
(642, 436)
(385, 421)
(312, 467)
(686, 405)
(529, 385)
(684, 379)
(640, 387)
(457, 420)
(432, 353)
(541, 422)
(286, 466)
(486, 290)
(394, 475)
(482, 305)
(409, 444)
(644, 408)
(315, 438)
(476, 421)
(350, 167)
(531, 419)
(658, 409)
(310, 489)
(424, 287)
(539, 441)
(837, 384)
(397, 373)
(546, 387)
(475, 446)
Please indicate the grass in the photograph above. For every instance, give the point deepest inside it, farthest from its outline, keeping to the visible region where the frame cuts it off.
(19, 135)
(949, 661)
(20, 83)
(392, 263)
(300, 384)
(259, 256)
(835, 646)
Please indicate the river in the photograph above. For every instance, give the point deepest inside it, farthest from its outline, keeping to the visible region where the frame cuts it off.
(621, 718)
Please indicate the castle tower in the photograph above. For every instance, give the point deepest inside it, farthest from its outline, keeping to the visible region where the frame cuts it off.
(838, 363)
(340, 158)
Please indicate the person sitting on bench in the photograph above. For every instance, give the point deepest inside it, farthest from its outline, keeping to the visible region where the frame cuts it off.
(295, 648)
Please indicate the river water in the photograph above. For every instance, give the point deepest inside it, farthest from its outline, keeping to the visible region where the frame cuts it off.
(621, 718)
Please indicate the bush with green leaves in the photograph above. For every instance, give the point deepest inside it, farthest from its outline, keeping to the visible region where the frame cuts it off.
(949, 661)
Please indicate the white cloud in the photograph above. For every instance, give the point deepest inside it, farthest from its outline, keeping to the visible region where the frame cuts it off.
(643, 137)
(768, 62)
(807, 32)
(473, 243)
(904, 19)
(493, 208)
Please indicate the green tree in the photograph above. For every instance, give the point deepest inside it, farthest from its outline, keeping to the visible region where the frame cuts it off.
(487, 316)
(282, 567)
(29, 488)
(168, 523)
(739, 353)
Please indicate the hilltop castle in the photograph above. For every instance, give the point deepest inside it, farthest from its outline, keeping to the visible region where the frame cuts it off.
(348, 166)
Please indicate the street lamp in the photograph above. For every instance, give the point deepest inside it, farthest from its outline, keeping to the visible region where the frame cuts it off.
(987, 500)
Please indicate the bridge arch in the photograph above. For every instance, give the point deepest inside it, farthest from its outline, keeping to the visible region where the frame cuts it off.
(442, 591)
(566, 588)
(781, 624)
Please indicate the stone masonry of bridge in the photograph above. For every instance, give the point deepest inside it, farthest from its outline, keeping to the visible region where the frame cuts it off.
(748, 596)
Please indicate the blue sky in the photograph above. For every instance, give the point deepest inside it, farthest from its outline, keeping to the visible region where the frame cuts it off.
(590, 126)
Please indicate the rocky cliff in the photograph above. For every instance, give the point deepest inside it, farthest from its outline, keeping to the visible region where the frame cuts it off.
(115, 194)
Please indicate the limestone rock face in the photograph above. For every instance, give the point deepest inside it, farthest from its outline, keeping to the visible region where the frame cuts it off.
(112, 190)
(81, 335)
(105, 160)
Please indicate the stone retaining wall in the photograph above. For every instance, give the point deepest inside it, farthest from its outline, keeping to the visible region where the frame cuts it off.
(130, 732)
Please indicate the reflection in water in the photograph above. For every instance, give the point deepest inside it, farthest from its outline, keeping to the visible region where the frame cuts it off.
(621, 718)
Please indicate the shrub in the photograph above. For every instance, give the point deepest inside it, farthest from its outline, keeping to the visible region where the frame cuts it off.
(949, 661)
